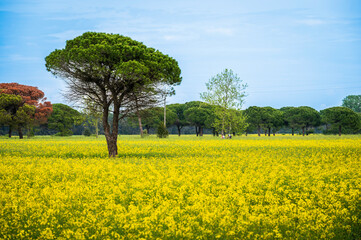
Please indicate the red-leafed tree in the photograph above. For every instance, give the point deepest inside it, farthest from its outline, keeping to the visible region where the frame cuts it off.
(30, 96)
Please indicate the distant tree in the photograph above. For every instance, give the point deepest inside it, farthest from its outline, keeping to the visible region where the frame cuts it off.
(353, 102)
(93, 114)
(301, 117)
(237, 122)
(63, 119)
(197, 116)
(272, 119)
(14, 113)
(31, 96)
(256, 118)
(180, 120)
(306, 117)
(226, 91)
(341, 117)
(150, 118)
(288, 117)
(144, 97)
(212, 119)
(107, 68)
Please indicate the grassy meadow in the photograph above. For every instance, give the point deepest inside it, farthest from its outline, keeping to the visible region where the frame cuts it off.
(184, 187)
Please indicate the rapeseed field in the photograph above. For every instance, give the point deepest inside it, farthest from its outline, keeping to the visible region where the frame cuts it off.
(181, 188)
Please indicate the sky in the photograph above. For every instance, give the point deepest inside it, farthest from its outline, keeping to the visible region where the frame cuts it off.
(289, 53)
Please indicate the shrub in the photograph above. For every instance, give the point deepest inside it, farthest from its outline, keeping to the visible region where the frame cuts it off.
(162, 131)
(64, 133)
(145, 133)
(87, 132)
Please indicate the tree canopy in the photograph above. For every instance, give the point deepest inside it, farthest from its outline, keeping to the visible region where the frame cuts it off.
(256, 117)
(14, 113)
(197, 114)
(108, 68)
(301, 117)
(63, 119)
(180, 120)
(352, 102)
(226, 91)
(340, 118)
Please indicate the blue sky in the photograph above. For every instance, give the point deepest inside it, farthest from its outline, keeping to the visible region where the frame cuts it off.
(290, 53)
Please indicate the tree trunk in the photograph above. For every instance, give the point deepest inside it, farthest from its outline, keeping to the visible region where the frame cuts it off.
(339, 130)
(20, 131)
(246, 133)
(259, 131)
(293, 131)
(303, 131)
(179, 130)
(201, 131)
(140, 125)
(112, 145)
(197, 131)
(111, 136)
(10, 131)
(269, 131)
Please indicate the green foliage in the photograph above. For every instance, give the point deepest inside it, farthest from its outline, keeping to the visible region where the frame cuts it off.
(64, 133)
(273, 119)
(180, 120)
(95, 55)
(178, 109)
(353, 102)
(87, 132)
(9, 104)
(226, 91)
(145, 133)
(238, 122)
(301, 117)
(63, 119)
(342, 119)
(14, 113)
(152, 117)
(93, 114)
(24, 115)
(256, 117)
(197, 116)
(170, 118)
(162, 131)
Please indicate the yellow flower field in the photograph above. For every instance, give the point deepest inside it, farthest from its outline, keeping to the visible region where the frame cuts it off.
(181, 188)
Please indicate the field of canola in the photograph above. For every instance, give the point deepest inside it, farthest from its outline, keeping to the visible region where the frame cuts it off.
(181, 188)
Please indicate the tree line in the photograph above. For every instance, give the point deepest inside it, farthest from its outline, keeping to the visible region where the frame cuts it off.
(193, 117)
